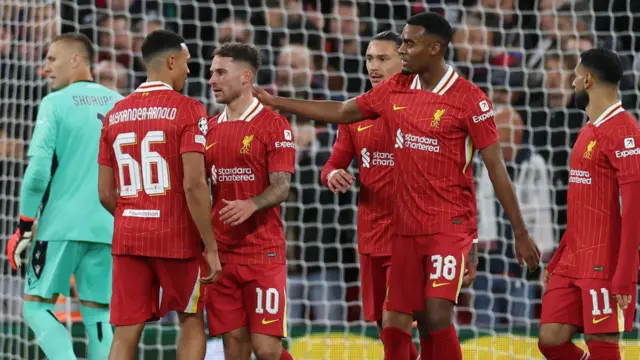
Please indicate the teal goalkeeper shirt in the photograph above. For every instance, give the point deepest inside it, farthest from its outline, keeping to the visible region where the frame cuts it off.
(62, 176)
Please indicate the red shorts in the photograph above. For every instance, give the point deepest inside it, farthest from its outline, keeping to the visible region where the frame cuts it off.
(248, 295)
(139, 281)
(587, 304)
(430, 266)
(374, 279)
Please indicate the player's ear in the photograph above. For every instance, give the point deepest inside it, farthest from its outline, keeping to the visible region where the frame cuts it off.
(247, 77)
(171, 62)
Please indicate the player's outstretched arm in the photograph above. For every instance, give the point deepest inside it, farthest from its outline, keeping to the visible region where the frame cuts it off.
(336, 112)
(526, 249)
(107, 188)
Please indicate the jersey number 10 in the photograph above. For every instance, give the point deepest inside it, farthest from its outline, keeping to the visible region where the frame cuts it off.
(149, 158)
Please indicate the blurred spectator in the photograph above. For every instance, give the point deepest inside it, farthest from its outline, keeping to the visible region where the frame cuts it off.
(504, 293)
(113, 75)
(143, 28)
(234, 30)
(346, 49)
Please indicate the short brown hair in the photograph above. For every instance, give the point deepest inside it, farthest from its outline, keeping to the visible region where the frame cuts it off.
(246, 53)
(80, 39)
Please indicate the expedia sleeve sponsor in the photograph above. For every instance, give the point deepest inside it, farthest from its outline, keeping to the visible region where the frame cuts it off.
(285, 144)
(483, 117)
(147, 113)
(620, 154)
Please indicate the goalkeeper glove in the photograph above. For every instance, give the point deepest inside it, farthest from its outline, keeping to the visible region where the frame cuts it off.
(19, 242)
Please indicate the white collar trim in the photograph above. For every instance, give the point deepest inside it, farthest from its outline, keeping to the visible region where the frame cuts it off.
(252, 111)
(612, 111)
(153, 86)
(445, 83)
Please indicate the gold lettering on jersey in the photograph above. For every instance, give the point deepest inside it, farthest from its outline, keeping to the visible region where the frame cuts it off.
(589, 151)
(246, 143)
(363, 128)
(436, 118)
(396, 107)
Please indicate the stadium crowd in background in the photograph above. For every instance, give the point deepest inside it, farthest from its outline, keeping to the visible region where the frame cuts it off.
(522, 57)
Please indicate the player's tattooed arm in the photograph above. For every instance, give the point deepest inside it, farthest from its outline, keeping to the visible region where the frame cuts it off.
(277, 191)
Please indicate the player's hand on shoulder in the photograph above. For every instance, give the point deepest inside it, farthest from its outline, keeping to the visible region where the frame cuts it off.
(237, 211)
(339, 180)
(215, 268)
(19, 242)
(264, 97)
(526, 251)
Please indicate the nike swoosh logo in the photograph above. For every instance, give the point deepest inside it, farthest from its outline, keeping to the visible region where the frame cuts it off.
(360, 129)
(210, 146)
(436, 285)
(597, 321)
(396, 108)
(267, 322)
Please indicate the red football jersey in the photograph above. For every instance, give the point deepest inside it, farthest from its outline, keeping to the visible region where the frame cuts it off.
(372, 142)
(605, 156)
(240, 156)
(437, 134)
(142, 139)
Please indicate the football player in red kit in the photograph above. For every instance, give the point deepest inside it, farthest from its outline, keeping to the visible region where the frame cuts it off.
(250, 156)
(441, 119)
(370, 141)
(591, 279)
(152, 179)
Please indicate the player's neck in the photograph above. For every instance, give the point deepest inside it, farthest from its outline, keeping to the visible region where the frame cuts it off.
(599, 102)
(152, 76)
(81, 76)
(431, 78)
(238, 106)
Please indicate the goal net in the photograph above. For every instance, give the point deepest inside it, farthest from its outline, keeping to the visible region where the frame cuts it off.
(521, 52)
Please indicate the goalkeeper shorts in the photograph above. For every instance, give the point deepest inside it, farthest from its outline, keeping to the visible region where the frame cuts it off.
(52, 263)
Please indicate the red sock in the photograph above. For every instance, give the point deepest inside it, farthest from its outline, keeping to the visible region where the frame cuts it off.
(445, 344)
(601, 350)
(285, 355)
(566, 351)
(397, 343)
(413, 352)
(426, 348)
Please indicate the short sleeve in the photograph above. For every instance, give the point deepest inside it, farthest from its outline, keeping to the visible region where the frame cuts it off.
(372, 103)
(194, 127)
(479, 121)
(104, 153)
(281, 147)
(623, 153)
(45, 134)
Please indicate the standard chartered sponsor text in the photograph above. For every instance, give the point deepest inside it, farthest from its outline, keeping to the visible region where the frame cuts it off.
(423, 143)
(235, 174)
(580, 177)
(146, 113)
(382, 159)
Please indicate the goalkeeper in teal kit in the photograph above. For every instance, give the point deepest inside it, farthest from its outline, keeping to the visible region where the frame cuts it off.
(61, 183)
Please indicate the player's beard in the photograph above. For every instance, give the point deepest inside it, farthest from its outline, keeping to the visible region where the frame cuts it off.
(581, 98)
